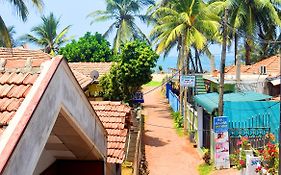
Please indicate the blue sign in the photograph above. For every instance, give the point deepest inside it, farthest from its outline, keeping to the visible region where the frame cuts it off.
(220, 124)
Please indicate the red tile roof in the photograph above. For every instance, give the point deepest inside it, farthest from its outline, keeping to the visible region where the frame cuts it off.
(115, 118)
(15, 82)
(272, 67)
(83, 80)
(16, 57)
(86, 68)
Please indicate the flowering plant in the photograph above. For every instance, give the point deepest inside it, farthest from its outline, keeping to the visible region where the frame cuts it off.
(269, 157)
(239, 156)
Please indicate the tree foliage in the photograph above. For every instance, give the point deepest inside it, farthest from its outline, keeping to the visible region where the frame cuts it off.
(22, 12)
(124, 14)
(89, 48)
(132, 70)
(46, 35)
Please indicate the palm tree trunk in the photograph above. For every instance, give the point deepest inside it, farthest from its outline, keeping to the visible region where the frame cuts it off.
(192, 62)
(248, 52)
(196, 60)
(180, 74)
(235, 47)
(186, 70)
(222, 67)
(199, 65)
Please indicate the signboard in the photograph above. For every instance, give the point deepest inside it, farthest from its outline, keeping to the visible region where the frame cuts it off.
(221, 142)
(138, 97)
(187, 80)
(251, 164)
(220, 124)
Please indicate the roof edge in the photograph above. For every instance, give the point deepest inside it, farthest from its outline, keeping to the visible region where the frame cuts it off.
(25, 111)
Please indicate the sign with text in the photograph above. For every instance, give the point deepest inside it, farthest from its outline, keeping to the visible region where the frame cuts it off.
(221, 141)
(220, 124)
(187, 81)
(251, 164)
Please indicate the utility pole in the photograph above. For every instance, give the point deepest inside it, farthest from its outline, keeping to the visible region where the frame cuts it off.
(222, 67)
(279, 171)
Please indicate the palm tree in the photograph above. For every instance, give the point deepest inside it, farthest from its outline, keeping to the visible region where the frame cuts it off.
(124, 13)
(46, 34)
(251, 19)
(22, 11)
(11, 32)
(184, 24)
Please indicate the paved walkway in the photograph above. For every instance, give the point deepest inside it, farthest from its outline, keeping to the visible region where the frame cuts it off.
(166, 152)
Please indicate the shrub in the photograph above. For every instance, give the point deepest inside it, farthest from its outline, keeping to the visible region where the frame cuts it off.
(178, 119)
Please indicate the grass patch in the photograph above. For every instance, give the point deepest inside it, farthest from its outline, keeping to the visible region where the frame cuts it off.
(205, 169)
(154, 83)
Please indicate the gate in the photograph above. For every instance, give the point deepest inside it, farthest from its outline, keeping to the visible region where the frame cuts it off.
(254, 128)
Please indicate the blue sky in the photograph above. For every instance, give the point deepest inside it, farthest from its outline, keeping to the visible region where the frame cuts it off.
(71, 13)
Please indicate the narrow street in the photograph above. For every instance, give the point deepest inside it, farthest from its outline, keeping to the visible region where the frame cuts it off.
(166, 152)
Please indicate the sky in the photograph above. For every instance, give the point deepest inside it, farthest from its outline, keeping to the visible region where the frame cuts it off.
(71, 13)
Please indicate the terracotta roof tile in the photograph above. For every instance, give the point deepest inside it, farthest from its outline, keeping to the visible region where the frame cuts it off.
(272, 65)
(115, 118)
(83, 80)
(15, 83)
(16, 57)
(86, 68)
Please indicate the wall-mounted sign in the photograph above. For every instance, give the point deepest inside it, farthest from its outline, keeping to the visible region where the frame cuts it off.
(187, 81)
(221, 142)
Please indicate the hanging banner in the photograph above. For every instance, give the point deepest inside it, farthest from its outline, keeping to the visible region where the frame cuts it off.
(187, 80)
(221, 142)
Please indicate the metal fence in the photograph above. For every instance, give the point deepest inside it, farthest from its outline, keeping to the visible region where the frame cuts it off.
(255, 129)
(173, 101)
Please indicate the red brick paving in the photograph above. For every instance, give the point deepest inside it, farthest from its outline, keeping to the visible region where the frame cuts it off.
(166, 152)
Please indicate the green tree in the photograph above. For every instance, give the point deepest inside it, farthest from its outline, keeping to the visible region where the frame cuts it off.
(251, 21)
(12, 32)
(46, 34)
(124, 14)
(132, 70)
(184, 24)
(22, 12)
(89, 48)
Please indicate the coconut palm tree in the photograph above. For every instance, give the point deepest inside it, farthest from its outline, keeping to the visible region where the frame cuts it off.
(22, 11)
(250, 20)
(46, 34)
(184, 24)
(124, 14)
(11, 32)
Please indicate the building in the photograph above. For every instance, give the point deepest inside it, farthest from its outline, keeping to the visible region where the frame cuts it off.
(116, 118)
(47, 124)
(93, 90)
(261, 77)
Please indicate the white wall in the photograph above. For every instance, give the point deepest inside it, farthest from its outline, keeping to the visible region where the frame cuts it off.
(63, 92)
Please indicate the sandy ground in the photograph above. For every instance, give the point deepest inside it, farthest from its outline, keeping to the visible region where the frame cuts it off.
(166, 152)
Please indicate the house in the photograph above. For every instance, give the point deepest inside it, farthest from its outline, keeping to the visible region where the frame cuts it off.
(47, 124)
(261, 77)
(93, 90)
(249, 114)
(116, 118)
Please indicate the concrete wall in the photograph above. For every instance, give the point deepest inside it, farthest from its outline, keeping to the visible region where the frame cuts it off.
(63, 92)
(46, 159)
